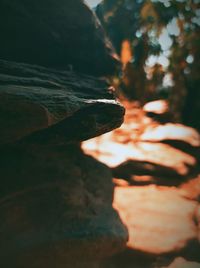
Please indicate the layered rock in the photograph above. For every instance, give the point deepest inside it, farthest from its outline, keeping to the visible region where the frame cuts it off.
(55, 33)
(55, 202)
(69, 105)
(56, 207)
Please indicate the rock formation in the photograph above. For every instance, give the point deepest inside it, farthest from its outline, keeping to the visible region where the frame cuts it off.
(55, 34)
(55, 202)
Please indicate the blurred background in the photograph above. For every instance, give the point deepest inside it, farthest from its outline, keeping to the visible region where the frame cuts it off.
(155, 155)
(158, 42)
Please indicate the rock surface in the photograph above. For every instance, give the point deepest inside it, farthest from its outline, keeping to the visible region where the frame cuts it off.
(55, 202)
(55, 34)
(159, 219)
(55, 209)
(73, 106)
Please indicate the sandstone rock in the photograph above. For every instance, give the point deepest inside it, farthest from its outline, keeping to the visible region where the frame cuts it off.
(159, 219)
(72, 106)
(55, 202)
(56, 34)
(54, 209)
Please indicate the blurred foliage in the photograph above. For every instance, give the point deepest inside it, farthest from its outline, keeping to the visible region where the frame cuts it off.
(159, 44)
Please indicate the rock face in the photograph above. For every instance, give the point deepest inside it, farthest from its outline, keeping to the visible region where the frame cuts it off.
(72, 106)
(54, 34)
(55, 202)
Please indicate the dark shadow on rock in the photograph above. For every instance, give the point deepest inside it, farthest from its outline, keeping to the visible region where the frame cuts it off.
(130, 259)
(157, 174)
(185, 147)
(161, 118)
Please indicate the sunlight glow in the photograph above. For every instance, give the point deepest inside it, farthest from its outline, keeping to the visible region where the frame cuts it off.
(140, 138)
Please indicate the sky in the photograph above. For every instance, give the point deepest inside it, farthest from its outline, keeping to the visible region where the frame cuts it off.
(92, 3)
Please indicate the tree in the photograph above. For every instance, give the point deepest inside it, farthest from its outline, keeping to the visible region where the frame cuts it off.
(163, 52)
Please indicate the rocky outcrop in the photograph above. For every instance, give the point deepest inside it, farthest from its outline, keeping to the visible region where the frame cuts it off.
(55, 34)
(68, 105)
(55, 202)
(56, 206)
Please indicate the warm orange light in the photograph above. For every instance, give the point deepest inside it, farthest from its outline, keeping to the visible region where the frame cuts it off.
(159, 219)
(172, 132)
(140, 138)
(126, 52)
(153, 217)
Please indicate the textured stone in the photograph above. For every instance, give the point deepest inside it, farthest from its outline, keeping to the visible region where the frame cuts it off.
(55, 202)
(73, 106)
(54, 209)
(55, 33)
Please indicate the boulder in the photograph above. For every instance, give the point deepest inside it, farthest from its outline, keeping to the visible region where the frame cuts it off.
(55, 202)
(64, 104)
(56, 208)
(55, 34)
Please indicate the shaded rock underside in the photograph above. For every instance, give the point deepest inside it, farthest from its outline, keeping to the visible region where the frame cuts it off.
(69, 105)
